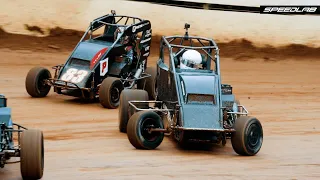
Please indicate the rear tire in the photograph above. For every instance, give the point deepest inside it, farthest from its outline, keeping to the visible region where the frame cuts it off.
(32, 154)
(137, 134)
(150, 83)
(34, 83)
(109, 92)
(248, 138)
(129, 95)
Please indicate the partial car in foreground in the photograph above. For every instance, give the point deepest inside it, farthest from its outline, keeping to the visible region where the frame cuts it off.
(29, 147)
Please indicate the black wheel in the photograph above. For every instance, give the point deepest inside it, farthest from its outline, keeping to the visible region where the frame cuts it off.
(247, 140)
(180, 136)
(109, 92)
(137, 130)
(129, 95)
(150, 83)
(35, 82)
(32, 154)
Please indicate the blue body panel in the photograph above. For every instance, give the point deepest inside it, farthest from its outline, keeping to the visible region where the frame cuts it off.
(200, 114)
(193, 82)
(5, 116)
(227, 100)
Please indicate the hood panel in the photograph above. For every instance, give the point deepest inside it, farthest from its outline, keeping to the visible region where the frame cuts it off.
(198, 84)
(86, 54)
(200, 114)
(87, 49)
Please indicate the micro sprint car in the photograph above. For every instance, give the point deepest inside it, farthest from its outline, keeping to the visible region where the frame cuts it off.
(192, 105)
(29, 148)
(111, 56)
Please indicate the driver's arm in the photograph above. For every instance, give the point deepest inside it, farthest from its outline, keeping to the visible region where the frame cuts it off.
(129, 51)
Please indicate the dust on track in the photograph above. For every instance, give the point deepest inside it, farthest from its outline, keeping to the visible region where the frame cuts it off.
(59, 39)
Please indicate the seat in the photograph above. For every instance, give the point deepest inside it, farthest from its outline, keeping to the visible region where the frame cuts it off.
(204, 61)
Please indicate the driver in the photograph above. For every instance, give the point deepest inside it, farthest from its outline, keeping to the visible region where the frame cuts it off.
(191, 59)
(125, 41)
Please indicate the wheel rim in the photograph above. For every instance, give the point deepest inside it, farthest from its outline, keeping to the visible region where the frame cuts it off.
(144, 129)
(115, 94)
(254, 136)
(42, 86)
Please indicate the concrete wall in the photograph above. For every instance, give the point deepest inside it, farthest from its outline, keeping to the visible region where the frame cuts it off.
(223, 26)
(259, 2)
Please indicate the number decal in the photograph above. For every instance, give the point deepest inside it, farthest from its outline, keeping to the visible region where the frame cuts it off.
(74, 75)
(69, 74)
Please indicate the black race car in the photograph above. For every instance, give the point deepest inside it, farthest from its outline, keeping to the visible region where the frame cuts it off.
(111, 56)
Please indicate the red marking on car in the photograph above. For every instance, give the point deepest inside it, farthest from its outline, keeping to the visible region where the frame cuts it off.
(104, 65)
(128, 48)
(97, 57)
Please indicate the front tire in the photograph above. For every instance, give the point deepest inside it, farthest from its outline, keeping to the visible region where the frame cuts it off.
(248, 138)
(109, 92)
(129, 95)
(32, 154)
(35, 82)
(138, 134)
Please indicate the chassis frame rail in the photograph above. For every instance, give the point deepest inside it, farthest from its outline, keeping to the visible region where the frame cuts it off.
(13, 151)
(133, 104)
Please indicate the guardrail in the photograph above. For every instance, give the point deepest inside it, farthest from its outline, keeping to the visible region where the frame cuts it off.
(210, 6)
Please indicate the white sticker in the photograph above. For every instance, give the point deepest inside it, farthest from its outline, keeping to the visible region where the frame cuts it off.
(148, 33)
(135, 28)
(146, 40)
(104, 67)
(74, 75)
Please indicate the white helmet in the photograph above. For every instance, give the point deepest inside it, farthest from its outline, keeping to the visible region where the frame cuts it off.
(190, 59)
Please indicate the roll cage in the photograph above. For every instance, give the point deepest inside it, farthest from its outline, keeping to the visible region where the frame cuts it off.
(176, 45)
(112, 23)
(133, 26)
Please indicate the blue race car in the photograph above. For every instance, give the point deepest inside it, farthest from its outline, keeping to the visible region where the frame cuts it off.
(30, 147)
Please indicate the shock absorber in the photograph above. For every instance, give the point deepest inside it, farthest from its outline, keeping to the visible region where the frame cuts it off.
(138, 72)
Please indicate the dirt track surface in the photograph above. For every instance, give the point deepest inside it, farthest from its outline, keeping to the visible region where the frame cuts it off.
(82, 141)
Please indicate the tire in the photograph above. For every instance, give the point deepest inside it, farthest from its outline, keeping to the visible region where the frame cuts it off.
(182, 139)
(109, 92)
(140, 138)
(32, 154)
(150, 83)
(35, 82)
(243, 142)
(128, 95)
